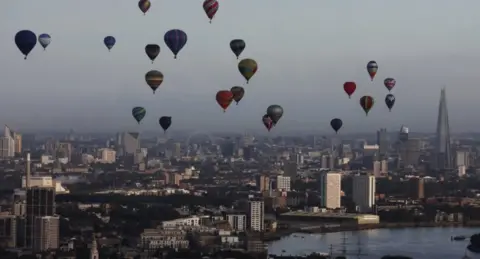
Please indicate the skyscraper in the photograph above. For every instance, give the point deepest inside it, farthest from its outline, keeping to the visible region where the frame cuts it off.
(330, 187)
(382, 142)
(7, 143)
(442, 156)
(364, 192)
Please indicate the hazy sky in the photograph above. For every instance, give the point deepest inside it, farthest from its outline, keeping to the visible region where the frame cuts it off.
(305, 49)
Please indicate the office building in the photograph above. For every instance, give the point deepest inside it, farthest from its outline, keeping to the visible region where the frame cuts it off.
(290, 169)
(8, 230)
(256, 215)
(130, 143)
(107, 155)
(403, 134)
(237, 221)
(415, 188)
(18, 143)
(46, 234)
(283, 183)
(364, 192)
(382, 142)
(40, 203)
(262, 182)
(377, 168)
(442, 153)
(330, 188)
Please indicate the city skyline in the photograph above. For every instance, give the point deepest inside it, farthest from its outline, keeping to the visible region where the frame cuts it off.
(307, 81)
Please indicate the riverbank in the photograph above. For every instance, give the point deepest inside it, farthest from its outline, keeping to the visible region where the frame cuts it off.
(273, 236)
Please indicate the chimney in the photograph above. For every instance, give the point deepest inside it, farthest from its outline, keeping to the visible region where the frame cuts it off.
(27, 176)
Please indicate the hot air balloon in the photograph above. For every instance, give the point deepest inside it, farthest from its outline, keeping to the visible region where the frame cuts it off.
(211, 8)
(237, 46)
(275, 112)
(349, 88)
(139, 113)
(175, 40)
(390, 101)
(267, 121)
(336, 124)
(152, 51)
(389, 83)
(25, 41)
(165, 122)
(154, 79)
(224, 99)
(44, 40)
(247, 67)
(372, 68)
(367, 103)
(109, 42)
(238, 93)
(144, 5)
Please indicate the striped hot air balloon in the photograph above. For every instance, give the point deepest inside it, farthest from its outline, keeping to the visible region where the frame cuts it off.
(210, 7)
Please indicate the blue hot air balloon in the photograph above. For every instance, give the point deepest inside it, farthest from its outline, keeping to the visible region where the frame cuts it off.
(109, 42)
(25, 41)
(44, 40)
(175, 40)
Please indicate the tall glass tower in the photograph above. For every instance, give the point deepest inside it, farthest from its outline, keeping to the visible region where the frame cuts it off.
(442, 154)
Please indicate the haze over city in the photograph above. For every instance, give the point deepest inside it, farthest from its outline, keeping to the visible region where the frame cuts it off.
(305, 53)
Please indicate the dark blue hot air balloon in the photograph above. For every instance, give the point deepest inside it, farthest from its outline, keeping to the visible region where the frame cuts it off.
(109, 42)
(175, 40)
(25, 41)
(336, 124)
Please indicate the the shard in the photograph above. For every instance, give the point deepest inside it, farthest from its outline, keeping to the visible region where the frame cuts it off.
(442, 153)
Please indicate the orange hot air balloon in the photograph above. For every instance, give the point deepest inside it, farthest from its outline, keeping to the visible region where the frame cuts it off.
(224, 99)
(367, 103)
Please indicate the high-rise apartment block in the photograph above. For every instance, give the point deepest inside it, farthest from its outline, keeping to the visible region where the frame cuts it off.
(330, 188)
(256, 215)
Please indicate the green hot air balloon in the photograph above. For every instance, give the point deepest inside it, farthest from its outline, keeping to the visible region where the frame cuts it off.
(139, 113)
(248, 67)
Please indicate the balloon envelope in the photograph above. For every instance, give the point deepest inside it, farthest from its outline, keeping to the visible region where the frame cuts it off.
(44, 40)
(238, 93)
(138, 113)
(210, 7)
(336, 124)
(175, 40)
(275, 112)
(349, 88)
(248, 67)
(165, 122)
(366, 102)
(372, 68)
(390, 101)
(237, 46)
(152, 51)
(109, 42)
(144, 5)
(154, 79)
(389, 83)
(25, 41)
(267, 122)
(224, 99)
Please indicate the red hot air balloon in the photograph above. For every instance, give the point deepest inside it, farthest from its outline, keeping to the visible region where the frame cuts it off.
(211, 8)
(267, 121)
(349, 88)
(389, 83)
(224, 99)
(367, 103)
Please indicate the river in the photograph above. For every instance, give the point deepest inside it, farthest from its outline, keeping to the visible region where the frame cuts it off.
(419, 243)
